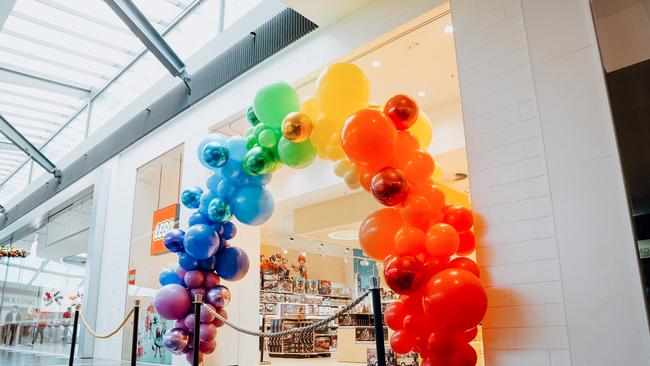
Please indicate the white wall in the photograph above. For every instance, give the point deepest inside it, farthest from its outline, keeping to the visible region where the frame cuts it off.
(556, 244)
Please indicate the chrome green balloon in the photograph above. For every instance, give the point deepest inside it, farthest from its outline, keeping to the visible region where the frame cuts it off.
(267, 138)
(274, 101)
(259, 160)
(252, 118)
(296, 155)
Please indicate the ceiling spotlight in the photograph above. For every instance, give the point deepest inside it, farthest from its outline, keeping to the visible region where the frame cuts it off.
(375, 63)
(285, 250)
(304, 254)
(422, 93)
(449, 29)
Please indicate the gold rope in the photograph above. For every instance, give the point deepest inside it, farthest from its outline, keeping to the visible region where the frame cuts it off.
(109, 334)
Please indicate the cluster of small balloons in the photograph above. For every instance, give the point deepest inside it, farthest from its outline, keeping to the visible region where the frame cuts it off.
(416, 235)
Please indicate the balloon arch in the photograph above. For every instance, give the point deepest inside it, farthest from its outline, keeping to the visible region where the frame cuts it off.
(380, 149)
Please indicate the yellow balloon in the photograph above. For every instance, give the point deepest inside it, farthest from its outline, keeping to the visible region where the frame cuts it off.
(342, 89)
(422, 130)
(437, 172)
(342, 166)
(309, 106)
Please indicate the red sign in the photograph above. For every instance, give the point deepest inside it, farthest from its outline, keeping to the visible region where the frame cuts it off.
(164, 220)
(132, 276)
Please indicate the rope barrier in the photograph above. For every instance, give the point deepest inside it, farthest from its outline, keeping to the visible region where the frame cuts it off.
(306, 329)
(92, 332)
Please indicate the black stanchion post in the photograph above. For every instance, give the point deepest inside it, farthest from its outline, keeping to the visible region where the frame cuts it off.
(74, 335)
(378, 320)
(134, 338)
(198, 299)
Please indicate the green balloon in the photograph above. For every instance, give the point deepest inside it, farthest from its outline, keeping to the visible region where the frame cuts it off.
(249, 132)
(250, 115)
(267, 138)
(259, 129)
(296, 155)
(258, 161)
(251, 141)
(274, 101)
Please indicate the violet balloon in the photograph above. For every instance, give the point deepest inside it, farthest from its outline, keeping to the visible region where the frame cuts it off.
(189, 321)
(211, 280)
(180, 323)
(189, 356)
(224, 314)
(206, 316)
(207, 332)
(194, 279)
(180, 272)
(219, 296)
(198, 291)
(176, 340)
(172, 302)
(208, 347)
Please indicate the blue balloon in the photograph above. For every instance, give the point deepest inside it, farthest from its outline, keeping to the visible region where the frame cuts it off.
(229, 231)
(199, 218)
(260, 180)
(191, 197)
(206, 198)
(201, 241)
(214, 180)
(211, 137)
(187, 262)
(232, 264)
(237, 147)
(168, 277)
(173, 240)
(227, 188)
(232, 169)
(253, 205)
(207, 264)
(215, 154)
(218, 227)
(220, 210)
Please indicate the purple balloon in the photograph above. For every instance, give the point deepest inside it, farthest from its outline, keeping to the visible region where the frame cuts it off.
(208, 347)
(211, 280)
(190, 356)
(189, 322)
(207, 333)
(180, 272)
(176, 340)
(198, 291)
(172, 302)
(218, 323)
(219, 296)
(180, 323)
(194, 279)
(206, 316)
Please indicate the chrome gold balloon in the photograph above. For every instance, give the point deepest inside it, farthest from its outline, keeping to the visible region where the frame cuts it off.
(297, 127)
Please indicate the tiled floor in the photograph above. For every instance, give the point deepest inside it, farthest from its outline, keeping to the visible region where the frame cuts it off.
(21, 358)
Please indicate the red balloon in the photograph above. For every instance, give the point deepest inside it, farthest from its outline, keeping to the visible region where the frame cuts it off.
(455, 298)
(368, 138)
(466, 264)
(462, 355)
(433, 265)
(375, 230)
(417, 324)
(413, 303)
(402, 110)
(402, 342)
(468, 335)
(394, 315)
(420, 345)
(403, 274)
(434, 195)
(409, 241)
(466, 243)
(442, 240)
(459, 217)
(441, 341)
(389, 187)
(418, 166)
(416, 211)
(434, 360)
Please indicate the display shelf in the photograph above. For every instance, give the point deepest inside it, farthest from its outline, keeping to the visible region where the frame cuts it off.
(306, 294)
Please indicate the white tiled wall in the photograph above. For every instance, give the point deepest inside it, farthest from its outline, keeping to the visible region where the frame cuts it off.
(556, 246)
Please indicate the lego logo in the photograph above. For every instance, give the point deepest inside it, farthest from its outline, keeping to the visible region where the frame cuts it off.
(162, 228)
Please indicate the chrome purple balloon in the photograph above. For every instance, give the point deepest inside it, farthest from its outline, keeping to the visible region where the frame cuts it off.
(219, 296)
(176, 340)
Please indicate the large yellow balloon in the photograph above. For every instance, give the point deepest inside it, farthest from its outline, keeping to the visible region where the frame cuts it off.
(422, 130)
(309, 106)
(342, 89)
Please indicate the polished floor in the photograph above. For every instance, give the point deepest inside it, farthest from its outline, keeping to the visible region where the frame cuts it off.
(21, 358)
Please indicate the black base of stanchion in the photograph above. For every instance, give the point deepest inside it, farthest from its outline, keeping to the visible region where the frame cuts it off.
(73, 342)
(134, 339)
(198, 299)
(378, 322)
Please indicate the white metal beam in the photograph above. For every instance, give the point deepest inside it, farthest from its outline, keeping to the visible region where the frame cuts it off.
(14, 75)
(5, 9)
(23, 144)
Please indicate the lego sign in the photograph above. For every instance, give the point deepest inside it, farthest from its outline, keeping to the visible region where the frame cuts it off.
(164, 220)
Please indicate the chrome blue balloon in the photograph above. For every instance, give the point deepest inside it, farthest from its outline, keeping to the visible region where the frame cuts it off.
(232, 264)
(215, 154)
(173, 240)
(229, 231)
(207, 264)
(168, 276)
(253, 205)
(227, 188)
(187, 262)
(201, 241)
(206, 198)
(211, 137)
(214, 180)
(237, 147)
(219, 210)
(191, 197)
(199, 218)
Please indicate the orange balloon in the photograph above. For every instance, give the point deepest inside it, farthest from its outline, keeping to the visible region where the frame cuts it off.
(406, 142)
(433, 265)
(416, 211)
(419, 165)
(455, 299)
(466, 264)
(434, 195)
(377, 232)
(365, 178)
(459, 217)
(368, 138)
(409, 241)
(402, 342)
(466, 243)
(442, 240)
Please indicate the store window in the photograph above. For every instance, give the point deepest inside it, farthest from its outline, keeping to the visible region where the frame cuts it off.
(155, 211)
(41, 290)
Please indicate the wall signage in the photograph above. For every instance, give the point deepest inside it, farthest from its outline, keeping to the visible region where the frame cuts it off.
(164, 220)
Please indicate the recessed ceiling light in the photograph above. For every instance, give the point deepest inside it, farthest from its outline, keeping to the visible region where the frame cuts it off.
(375, 63)
(449, 29)
(344, 235)
(422, 93)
